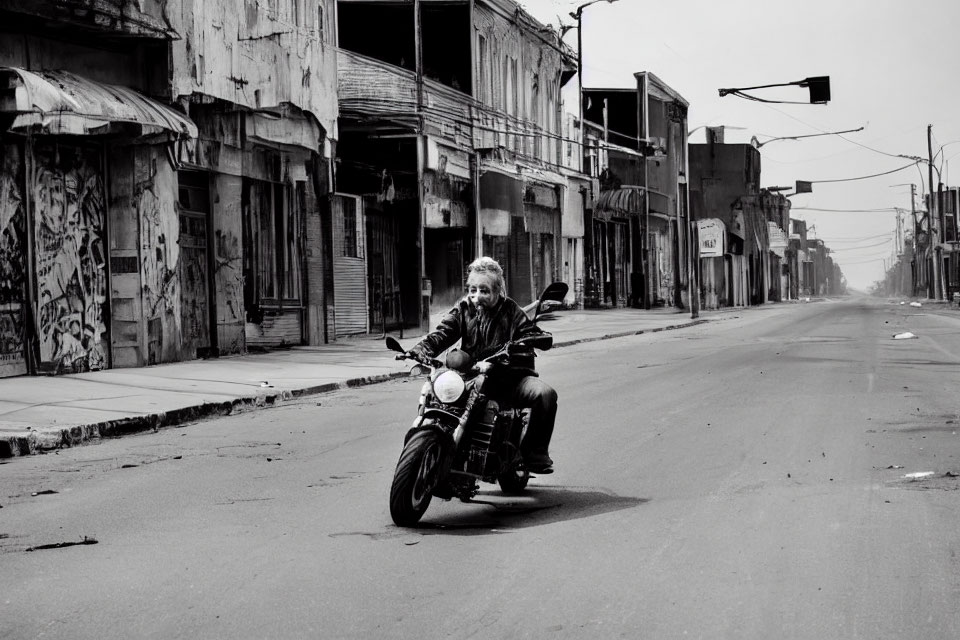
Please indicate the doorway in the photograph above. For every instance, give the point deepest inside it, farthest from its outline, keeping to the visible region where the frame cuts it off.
(196, 308)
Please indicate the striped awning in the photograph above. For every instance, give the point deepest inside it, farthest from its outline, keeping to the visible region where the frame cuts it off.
(63, 103)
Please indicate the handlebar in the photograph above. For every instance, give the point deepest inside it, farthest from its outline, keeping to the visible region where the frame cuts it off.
(541, 341)
(429, 362)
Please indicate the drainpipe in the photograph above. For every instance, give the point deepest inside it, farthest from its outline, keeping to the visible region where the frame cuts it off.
(423, 304)
(478, 229)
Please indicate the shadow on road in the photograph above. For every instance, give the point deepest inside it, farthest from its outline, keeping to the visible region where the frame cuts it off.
(537, 506)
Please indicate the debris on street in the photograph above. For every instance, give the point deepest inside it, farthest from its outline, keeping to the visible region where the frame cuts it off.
(60, 545)
(906, 335)
(919, 475)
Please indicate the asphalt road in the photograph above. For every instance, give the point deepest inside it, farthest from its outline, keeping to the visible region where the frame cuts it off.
(747, 478)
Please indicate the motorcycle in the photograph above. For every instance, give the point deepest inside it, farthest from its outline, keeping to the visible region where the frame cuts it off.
(461, 437)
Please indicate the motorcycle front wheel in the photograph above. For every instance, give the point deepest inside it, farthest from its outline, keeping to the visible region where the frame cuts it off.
(415, 478)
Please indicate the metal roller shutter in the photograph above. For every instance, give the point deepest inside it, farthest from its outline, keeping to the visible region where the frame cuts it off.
(349, 267)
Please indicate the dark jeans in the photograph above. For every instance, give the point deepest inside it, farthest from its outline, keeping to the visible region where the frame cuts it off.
(529, 392)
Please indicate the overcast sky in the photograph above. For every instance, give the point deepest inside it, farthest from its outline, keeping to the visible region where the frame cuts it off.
(894, 68)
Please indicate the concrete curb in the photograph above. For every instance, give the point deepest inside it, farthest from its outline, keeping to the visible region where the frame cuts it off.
(37, 441)
(625, 334)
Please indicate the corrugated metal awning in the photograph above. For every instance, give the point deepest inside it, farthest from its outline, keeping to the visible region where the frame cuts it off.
(63, 103)
(623, 202)
(286, 126)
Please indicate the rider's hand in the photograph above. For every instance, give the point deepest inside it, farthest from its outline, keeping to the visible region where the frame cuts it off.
(401, 356)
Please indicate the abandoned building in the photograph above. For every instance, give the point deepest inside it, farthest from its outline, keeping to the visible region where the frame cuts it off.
(450, 147)
(639, 252)
(745, 257)
(162, 167)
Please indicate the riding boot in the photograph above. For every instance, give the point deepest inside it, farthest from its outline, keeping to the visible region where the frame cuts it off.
(542, 402)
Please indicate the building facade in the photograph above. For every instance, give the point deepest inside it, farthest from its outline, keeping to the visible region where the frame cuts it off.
(751, 224)
(640, 250)
(450, 147)
(163, 164)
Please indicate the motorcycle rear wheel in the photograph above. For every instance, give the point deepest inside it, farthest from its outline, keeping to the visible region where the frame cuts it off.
(415, 478)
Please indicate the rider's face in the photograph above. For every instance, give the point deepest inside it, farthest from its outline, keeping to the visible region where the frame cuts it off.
(480, 290)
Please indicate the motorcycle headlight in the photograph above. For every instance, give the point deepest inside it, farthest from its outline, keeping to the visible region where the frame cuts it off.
(448, 387)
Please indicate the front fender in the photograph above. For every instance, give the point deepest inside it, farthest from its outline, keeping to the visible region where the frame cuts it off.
(438, 420)
(443, 432)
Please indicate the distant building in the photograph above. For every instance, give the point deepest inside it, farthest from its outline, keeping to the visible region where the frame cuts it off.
(636, 145)
(450, 148)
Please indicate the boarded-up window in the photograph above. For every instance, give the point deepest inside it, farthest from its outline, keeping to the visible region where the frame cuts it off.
(272, 241)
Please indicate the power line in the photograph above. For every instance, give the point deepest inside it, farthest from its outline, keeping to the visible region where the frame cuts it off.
(867, 246)
(859, 262)
(859, 144)
(747, 96)
(875, 175)
(887, 210)
(863, 239)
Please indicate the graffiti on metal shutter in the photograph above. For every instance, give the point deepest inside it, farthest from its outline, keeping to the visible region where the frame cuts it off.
(71, 277)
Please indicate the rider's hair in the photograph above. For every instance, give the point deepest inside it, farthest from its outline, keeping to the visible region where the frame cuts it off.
(487, 266)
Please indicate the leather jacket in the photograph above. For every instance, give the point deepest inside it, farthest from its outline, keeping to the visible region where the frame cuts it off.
(506, 322)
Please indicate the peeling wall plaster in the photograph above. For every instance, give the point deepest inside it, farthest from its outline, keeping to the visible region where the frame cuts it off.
(282, 57)
(160, 253)
(228, 264)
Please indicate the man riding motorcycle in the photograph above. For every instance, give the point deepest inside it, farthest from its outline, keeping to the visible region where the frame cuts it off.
(484, 320)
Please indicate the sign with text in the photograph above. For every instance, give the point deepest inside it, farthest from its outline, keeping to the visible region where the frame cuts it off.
(711, 232)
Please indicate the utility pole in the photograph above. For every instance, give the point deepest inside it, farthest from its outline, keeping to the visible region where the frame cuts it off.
(423, 302)
(913, 267)
(583, 132)
(934, 219)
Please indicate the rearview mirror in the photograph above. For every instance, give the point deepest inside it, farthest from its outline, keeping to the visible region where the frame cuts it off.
(393, 345)
(554, 293)
(419, 370)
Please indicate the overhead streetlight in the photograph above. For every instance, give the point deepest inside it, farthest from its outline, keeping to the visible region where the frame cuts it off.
(757, 144)
(925, 161)
(944, 145)
(577, 14)
(801, 186)
(819, 87)
(710, 126)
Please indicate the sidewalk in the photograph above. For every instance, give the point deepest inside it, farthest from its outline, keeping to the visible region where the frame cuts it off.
(42, 413)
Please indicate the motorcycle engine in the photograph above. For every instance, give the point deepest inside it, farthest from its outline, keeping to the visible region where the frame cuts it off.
(484, 438)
